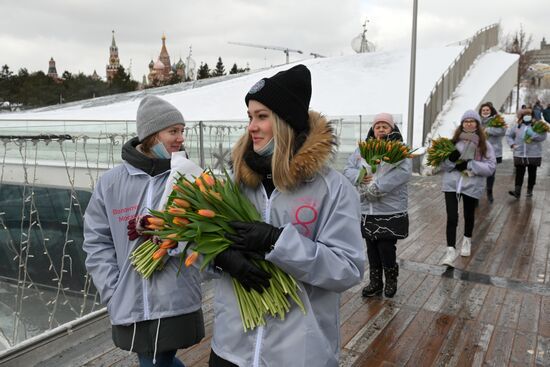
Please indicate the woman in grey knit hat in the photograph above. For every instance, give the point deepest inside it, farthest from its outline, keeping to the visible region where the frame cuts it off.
(153, 317)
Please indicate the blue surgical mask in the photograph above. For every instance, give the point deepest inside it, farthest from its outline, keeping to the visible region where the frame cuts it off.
(159, 150)
(527, 118)
(267, 149)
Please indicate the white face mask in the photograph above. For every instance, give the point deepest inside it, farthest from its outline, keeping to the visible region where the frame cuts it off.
(159, 150)
(486, 114)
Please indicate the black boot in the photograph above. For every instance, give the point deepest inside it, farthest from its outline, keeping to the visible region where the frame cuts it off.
(375, 285)
(390, 275)
(516, 193)
(490, 196)
(529, 192)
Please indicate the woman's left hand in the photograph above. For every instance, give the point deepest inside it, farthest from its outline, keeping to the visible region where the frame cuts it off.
(367, 179)
(253, 236)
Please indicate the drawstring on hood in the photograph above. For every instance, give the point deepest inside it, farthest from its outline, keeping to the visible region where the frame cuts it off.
(133, 339)
(156, 344)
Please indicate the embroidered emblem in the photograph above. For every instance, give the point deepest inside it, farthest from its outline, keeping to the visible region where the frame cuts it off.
(257, 87)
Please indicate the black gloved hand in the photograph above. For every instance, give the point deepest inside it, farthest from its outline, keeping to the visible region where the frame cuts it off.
(455, 154)
(136, 226)
(253, 236)
(461, 166)
(239, 267)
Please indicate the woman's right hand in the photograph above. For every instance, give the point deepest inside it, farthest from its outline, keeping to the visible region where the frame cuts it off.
(367, 179)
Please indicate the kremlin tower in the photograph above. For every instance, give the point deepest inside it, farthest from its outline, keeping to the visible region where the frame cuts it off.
(114, 61)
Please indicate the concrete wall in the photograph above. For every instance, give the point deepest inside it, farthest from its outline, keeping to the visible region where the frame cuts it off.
(501, 89)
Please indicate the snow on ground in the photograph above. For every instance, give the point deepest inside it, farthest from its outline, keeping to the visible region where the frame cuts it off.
(486, 71)
(342, 86)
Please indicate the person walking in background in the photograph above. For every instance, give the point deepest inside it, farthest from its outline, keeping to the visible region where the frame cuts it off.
(152, 317)
(311, 229)
(465, 173)
(384, 202)
(546, 113)
(495, 134)
(527, 147)
(537, 111)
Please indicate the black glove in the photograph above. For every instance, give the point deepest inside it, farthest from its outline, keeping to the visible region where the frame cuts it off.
(136, 226)
(461, 166)
(239, 267)
(455, 154)
(253, 236)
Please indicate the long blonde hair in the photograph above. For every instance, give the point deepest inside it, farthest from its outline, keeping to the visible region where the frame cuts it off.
(284, 137)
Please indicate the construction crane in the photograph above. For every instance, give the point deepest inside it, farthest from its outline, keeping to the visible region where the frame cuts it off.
(286, 50)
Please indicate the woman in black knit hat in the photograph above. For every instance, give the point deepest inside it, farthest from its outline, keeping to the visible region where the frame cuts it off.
(310, 229)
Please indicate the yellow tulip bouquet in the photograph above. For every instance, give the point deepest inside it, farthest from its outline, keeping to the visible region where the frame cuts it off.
(439, 150)
(375, 151)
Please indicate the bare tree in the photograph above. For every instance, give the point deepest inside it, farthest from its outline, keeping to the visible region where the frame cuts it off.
(518, 43)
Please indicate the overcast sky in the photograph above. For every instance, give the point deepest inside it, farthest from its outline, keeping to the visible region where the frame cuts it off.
(77, 34)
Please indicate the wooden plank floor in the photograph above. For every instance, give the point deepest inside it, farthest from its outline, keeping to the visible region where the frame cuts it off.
(492, 309)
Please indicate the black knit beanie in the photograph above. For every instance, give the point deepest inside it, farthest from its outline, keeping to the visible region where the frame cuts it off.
(286, 93)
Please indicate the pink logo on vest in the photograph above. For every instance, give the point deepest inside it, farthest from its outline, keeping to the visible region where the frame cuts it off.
(305, 215)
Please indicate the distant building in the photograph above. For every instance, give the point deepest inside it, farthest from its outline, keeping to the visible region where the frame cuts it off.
(179, 69)
(52, 70)
(541, 56)
(162, 71)
(95, 76)
(114, 61)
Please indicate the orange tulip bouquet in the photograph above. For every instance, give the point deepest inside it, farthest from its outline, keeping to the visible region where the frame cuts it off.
(197, 213)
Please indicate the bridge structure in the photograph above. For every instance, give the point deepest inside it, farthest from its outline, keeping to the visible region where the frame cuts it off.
(49, 310)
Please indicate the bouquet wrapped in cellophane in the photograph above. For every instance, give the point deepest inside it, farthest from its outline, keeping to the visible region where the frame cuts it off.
(198, 212)
(439, 150)
(375, 151)
(496, 121)
(539, 127)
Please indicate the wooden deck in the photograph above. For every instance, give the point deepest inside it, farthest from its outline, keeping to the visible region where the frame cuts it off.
(492, 309)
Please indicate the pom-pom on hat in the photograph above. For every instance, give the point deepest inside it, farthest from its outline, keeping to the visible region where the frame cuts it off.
(471, 114)
(384, 117)
(155, 114)
(286, 93)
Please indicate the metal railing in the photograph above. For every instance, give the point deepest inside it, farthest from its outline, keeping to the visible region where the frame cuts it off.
(48, 169)
(483, 40)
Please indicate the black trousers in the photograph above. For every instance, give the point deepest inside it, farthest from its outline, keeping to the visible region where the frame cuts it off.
(520, 174)
(381, 253)
(217, 361)
(491, 179)
(451, 204)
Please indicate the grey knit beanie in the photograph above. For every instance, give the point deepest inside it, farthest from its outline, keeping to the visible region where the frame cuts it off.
(471, 114)
(155, 114)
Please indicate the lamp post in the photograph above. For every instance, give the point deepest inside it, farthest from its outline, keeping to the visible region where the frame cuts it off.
(410, 118)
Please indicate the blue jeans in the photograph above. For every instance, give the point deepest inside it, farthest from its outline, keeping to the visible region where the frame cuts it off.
(165, 359)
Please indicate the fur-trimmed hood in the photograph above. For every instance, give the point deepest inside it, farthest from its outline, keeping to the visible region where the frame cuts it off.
(315, 153)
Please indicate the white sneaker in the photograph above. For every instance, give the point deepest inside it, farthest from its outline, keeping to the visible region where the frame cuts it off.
(450, 256)
(466, 246)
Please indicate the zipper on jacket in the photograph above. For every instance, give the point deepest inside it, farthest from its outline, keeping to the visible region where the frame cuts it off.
(149, 200)
(459, 185)
(260, 332)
